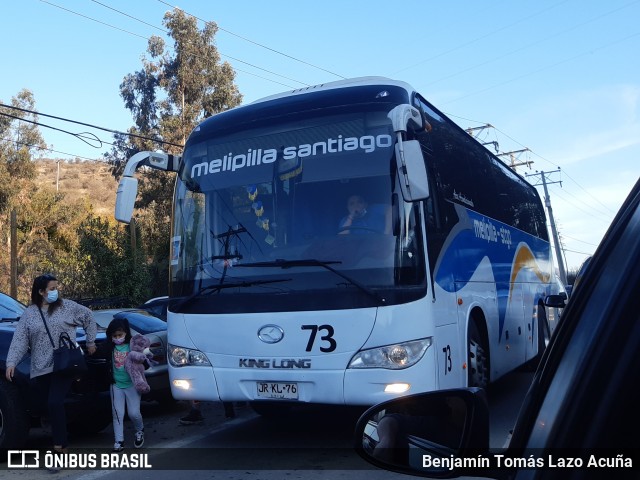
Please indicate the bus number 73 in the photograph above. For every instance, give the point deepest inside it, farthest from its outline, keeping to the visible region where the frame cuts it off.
(327, 338)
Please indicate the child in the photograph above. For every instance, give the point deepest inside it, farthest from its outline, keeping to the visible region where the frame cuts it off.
(123, 391)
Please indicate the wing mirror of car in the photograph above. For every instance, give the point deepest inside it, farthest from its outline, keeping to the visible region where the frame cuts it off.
(556, 301)
(412, 434)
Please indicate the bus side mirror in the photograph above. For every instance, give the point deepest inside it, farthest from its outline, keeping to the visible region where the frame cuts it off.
(412, 171)
(126, 199)
(556, 301)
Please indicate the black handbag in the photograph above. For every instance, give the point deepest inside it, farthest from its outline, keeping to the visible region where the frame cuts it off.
(68, 358)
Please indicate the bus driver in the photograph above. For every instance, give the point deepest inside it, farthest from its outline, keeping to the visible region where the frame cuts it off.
(365, 219)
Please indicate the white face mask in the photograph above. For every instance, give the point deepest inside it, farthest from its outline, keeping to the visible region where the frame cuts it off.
(118, 341)
(52, 296)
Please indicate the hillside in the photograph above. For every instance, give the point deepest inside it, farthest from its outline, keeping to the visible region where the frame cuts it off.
(91, 180)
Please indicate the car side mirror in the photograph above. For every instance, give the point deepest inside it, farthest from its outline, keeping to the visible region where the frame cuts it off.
(412, 434)
(556, 301)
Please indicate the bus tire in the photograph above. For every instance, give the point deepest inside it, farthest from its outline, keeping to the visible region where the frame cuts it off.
(478, 357)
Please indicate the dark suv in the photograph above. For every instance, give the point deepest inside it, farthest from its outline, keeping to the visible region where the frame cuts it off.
(88, 403)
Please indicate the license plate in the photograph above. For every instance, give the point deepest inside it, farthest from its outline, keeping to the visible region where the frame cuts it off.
(277, 390)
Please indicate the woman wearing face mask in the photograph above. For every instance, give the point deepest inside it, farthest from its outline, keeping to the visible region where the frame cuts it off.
(60, 316)
(123, 391)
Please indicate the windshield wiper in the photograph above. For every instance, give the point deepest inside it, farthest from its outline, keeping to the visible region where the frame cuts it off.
(217, 287)
(312, 262)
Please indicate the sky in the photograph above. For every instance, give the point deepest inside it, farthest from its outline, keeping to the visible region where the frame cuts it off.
(559, 78)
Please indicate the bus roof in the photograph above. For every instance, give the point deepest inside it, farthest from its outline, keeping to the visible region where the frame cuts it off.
(349, 82)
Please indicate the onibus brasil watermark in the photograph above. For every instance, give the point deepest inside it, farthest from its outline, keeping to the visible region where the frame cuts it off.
(20, 459)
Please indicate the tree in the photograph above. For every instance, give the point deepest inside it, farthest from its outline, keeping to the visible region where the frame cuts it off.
(175, 90)
(19, 133)
(48, 237)
(20, 139)
(115, 271)
(90, 256)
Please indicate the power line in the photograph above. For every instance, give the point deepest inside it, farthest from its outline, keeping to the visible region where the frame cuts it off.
(190, 53)
(579, 253)
(545, 67)
(93, 19)
(256, 43)
(130, 16)
(198, 56)
(606, 218)
(79, 136)
(537, 42)
(471, 42)
(486, 124)
(52, 150)
(143, 137)
(581, 241)
(557, 166)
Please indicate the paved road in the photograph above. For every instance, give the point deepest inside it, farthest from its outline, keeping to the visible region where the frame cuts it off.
(310, 443)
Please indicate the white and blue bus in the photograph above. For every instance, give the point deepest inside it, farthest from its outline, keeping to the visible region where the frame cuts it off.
(345, 244)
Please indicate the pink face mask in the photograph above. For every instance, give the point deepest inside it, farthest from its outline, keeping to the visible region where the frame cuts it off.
(118, 341)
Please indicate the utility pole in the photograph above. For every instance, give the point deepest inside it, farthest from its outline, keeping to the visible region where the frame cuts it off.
(470, 130)
(494, 143)
(554, 231)
(13, 274)
(58, 176)
(512, 156)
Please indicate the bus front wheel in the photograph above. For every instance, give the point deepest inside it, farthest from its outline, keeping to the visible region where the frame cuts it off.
(478, 358)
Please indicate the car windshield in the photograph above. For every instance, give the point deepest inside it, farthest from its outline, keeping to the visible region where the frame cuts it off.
(10, 308)
(142, 322)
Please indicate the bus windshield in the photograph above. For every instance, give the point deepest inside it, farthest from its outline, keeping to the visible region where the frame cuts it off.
(305, 213)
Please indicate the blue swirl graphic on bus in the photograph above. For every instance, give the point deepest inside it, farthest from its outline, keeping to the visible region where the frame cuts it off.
(511, 253)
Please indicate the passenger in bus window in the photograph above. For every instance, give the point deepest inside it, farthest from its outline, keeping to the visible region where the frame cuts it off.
(363, 218)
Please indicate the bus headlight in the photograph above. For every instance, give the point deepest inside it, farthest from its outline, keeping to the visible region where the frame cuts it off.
(400, 355)
(181, 357)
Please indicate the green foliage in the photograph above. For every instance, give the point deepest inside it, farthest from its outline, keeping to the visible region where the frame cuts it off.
(92, 256)
(115, 270)
(174, 91)
(18, 142)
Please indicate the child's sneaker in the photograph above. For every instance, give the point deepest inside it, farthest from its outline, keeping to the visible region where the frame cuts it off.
(139, 440)
(194, 416)
(118, 446)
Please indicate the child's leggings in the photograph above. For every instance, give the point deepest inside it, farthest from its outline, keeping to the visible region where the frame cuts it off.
(120, 396)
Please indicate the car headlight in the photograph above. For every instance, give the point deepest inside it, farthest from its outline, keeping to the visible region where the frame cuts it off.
(400, 355)
(181, 357)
